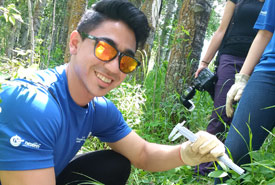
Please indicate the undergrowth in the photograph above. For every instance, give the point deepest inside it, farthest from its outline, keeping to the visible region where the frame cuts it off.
(153, 118)
(135, 103)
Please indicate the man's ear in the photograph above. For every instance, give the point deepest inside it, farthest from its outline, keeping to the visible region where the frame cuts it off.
(75, 39)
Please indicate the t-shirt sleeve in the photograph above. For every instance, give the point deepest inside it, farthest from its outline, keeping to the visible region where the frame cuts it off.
(109, 125)
(266, 17)
(29, 121)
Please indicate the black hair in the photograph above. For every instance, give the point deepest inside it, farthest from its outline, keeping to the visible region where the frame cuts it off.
(118, 10)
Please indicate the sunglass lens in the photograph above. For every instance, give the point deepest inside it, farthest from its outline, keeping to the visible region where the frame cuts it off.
(128, 64)
(105, 51)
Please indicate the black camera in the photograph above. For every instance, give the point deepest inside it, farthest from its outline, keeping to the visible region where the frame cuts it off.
(204, 82)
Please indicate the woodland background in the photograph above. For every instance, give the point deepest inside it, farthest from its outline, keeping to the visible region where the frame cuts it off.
(34, 35)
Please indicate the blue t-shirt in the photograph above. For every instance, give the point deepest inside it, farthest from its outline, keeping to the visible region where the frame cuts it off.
(41, 126)
(266, 21)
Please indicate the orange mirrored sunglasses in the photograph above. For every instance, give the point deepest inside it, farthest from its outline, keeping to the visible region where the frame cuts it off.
(106, 52)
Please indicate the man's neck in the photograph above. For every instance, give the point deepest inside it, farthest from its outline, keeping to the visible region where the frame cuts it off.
(76, 88)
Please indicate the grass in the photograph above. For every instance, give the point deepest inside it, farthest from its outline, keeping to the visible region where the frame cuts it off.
(154, 125)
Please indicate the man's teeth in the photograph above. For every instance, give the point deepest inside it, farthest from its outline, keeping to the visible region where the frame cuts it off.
(103, 78)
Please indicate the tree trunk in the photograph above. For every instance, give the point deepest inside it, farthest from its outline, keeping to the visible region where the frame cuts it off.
(151, 9)
(62, 24)
(52, 35)
(77, 8)
(17, 33)
(31, 31)
(10, 42)
(166, 31)
(24, 34)
(192, 23)
(38, 11)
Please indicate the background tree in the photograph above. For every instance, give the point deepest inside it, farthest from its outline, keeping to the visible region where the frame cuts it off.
(10, 21)
(37, 14)
(76, 10)
(31, 31)
(187, 46)
(52, 35)
(168, 19)
(152, 9)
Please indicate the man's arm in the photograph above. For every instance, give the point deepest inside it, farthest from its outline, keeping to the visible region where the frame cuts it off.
(28, 177)
(157, 157)
(148, 156)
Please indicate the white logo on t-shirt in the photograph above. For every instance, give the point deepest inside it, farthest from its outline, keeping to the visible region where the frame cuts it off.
(82, 139)
(263, 13)
(16, 141)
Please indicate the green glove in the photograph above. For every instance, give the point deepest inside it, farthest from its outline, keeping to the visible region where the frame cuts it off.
(235, 92)
(206, 148)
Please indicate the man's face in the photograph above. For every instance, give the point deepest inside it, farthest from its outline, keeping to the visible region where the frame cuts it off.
(92, 76)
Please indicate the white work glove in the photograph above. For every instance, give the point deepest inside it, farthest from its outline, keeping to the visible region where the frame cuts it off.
(235, 92)
(206, 148)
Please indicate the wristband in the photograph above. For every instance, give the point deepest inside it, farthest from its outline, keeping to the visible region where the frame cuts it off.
(205, 62)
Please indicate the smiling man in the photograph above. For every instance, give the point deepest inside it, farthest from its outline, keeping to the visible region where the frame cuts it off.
(45, 121)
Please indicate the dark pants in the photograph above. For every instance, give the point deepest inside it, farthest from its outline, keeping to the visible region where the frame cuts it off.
(228, 66)
(253, 117)
(106, 166)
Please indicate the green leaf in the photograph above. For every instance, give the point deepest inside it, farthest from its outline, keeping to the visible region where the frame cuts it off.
(272, 181)
(12, 20)
(224, 167)
(12, 7)
(218, 174)
(6, 17)
(17, 17)
(185, 31)
(3, 9)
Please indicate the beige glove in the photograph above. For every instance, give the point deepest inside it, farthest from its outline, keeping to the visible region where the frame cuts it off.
(235, 92)
(207, 148)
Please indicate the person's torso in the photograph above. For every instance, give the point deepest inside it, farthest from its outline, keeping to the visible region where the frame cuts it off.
(99, 118)
(240, 33)
(62, 125)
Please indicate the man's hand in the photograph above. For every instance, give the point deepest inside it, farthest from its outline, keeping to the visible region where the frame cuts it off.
(206, 148)
(235, 92)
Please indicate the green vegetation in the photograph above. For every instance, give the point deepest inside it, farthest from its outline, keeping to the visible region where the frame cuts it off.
(135, 103)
